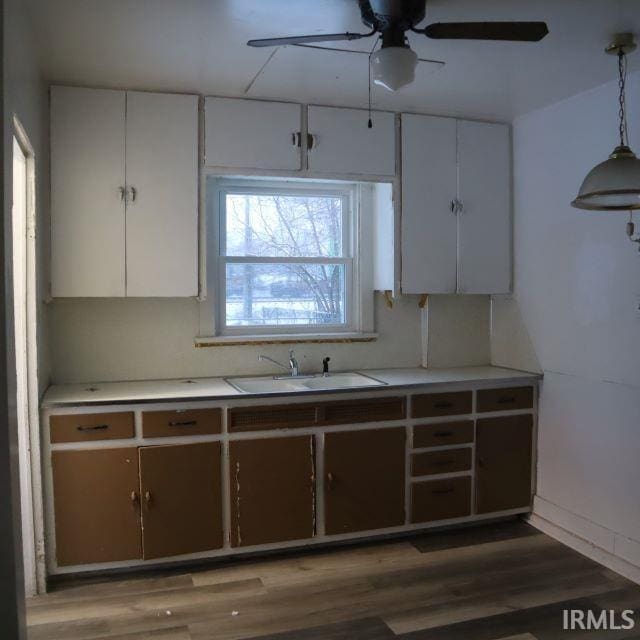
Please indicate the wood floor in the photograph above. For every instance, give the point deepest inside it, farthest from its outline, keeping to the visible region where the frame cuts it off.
(500, 581)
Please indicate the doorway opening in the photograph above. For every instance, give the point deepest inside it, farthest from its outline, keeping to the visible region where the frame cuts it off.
(25, 328)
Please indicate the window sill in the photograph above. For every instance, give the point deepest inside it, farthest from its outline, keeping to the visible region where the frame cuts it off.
(285, 338)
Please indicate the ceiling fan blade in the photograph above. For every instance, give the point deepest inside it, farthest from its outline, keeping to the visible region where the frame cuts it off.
(327, 37)
(515, 31)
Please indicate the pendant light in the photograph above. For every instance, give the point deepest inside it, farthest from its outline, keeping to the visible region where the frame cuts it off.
(614, 185)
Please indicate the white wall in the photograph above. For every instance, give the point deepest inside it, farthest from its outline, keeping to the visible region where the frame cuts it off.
(577, 290)
(98, 340)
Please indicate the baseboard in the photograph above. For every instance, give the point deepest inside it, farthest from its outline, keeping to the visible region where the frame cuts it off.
(608, 548)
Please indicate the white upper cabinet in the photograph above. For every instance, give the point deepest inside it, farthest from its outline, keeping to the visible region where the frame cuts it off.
(340, 142)
(87, 192)
(124, 193)
(162, 208)
(456, 211)
(253, 134)
(484, 219)
(429, 225)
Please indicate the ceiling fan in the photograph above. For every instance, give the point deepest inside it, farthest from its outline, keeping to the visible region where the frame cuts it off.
(394, 64)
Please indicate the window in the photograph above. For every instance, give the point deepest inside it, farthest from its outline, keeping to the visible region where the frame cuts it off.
(285, 257)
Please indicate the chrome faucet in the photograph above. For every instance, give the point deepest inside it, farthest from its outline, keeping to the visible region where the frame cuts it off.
(293, 363)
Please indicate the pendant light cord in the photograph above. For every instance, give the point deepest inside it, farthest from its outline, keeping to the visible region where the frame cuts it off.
(622, 113)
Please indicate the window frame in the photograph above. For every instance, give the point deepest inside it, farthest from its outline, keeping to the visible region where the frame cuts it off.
(217, 260)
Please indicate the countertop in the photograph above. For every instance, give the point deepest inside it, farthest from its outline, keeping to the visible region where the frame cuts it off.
(145, 391)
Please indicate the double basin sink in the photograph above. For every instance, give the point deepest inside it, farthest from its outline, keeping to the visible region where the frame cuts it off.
(283, 384)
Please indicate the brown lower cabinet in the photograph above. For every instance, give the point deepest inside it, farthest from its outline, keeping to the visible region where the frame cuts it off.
(441, 499)
(364, 485)
(181, 495)
(503, 463)
(272, 483)
(131, 503)
(97, 515)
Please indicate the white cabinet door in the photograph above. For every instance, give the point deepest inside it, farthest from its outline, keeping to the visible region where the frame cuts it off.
(429, 227)
(484, 222)
(162, 207)
(87, 211)
(252, 134)
(343, 144)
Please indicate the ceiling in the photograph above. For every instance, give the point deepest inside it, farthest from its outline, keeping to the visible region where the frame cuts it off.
(200, 46)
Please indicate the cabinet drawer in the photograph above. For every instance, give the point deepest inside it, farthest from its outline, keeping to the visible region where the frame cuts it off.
(286, 416)
(369, 410)
(445, 461)
(440, 499)
(505, 399)
(438, 435)
(91, 426)
(191, 422)
(429, 405)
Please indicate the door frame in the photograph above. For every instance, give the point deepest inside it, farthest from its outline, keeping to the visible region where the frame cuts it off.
(31, 502)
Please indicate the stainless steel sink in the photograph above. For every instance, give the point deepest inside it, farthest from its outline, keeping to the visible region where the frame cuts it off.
(269, 384)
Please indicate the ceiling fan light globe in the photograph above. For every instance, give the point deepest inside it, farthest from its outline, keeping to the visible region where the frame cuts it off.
(394, 67)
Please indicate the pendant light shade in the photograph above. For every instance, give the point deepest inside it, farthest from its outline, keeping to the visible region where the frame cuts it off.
(614, 185)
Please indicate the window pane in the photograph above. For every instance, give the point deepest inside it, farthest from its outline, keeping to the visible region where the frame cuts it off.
(295, 226)
(283, 294)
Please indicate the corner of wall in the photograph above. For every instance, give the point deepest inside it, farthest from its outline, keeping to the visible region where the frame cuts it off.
(456, 331)
(511, 345)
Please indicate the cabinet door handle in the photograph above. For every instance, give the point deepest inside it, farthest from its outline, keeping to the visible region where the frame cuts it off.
(134, 193)
(460, 206)
(312, 141)
(296, 139)
(92, 427)
(123, 193)
(454, 207)
(147, 499)
(330, 480)
(185, 423)
(134, 500)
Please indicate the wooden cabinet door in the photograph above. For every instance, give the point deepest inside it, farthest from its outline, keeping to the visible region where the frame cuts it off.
(87, 206)
(162, 206)
(343, 144)
(252, 134)
(429, 186)
(181, 496)
(484, 231)
(272, 490)
(364, 483)
(97, 516)
(503, 463)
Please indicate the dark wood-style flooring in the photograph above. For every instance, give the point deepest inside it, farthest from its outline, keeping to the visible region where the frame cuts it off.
(501, 581)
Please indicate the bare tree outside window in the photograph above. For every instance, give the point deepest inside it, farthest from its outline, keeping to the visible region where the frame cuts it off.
(286, 263)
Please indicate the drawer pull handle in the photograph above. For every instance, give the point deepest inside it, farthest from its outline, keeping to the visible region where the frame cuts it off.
(442, 491)
(93, 427)
(184, 423)
(443, 405)
(443, 434)
(506, 400)
(442, 463)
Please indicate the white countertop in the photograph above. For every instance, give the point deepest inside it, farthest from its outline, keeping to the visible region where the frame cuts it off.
(216, 388)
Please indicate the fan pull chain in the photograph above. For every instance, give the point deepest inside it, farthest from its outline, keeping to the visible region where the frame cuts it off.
(370, 121)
